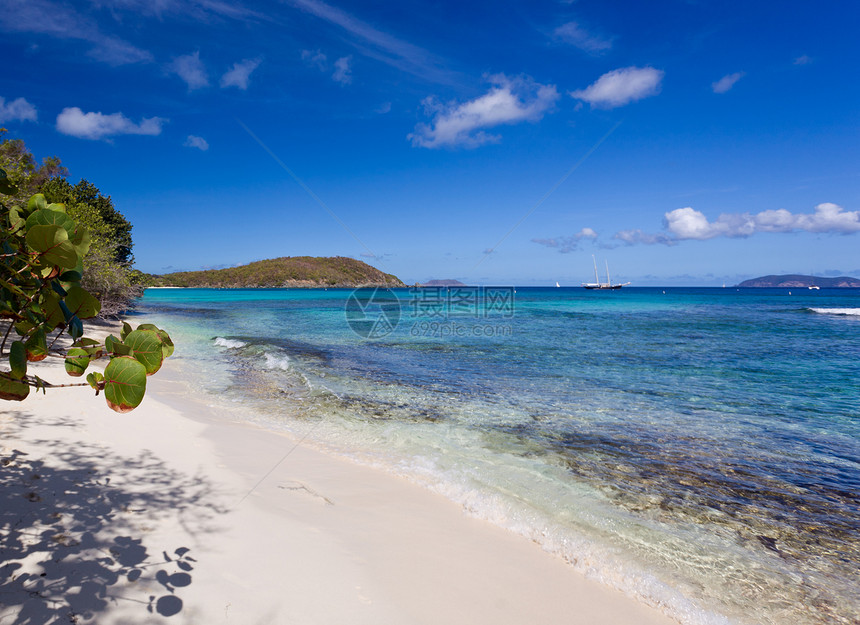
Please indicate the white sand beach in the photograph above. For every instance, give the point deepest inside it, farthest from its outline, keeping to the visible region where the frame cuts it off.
(174, 514)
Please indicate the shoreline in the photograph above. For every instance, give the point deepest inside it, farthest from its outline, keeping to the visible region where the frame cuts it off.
(210, 519)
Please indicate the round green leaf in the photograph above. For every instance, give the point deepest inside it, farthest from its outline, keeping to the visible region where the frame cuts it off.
(81, 240)
(18, 359)
(37, 346)
(91, 346)
(52, 243)
(146, 348)
(96, 380)
(37, 202)
(48, 217)
(81, 303)
(125, 383)
(166, 342)
(116, 347)
(77, 361)
(13, 390)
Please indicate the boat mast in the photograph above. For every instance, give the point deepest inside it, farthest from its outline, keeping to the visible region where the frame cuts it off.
(596, 278)
(608, 281)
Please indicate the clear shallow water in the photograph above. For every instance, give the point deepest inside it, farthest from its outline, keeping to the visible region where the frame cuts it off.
(697, 448)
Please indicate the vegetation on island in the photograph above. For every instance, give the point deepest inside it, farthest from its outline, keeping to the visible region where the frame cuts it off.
(51, 255)
(297, 271)
(801, 281)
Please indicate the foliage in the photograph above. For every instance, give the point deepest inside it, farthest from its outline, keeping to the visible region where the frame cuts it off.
(22, 171)
(300, 271)
(42, 251)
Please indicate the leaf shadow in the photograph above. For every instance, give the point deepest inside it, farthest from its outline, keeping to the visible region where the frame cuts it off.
(74, 524)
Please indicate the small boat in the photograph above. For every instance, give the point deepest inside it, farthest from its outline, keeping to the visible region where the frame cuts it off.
(814, 288)
(557, 285)
(597, 284)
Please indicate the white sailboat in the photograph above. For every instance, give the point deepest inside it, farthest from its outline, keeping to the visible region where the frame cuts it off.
(597, 284)
(557, 285)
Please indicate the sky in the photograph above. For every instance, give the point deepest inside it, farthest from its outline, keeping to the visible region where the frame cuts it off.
(683, 142)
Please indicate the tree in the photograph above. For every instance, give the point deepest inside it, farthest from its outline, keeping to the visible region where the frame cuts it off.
(107, 272)
(42, 251)
(21, 168)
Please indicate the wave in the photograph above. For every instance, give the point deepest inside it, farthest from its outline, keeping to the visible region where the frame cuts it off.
(228, 343)
(852, 312)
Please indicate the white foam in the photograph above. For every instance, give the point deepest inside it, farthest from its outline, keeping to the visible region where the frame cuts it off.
(228, 343)
(277, 362)
(854, 312)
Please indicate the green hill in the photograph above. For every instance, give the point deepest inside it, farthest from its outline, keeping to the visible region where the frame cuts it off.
(800, 281)
(298, 271)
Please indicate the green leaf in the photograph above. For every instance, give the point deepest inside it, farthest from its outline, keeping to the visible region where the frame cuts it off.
(146, 348)
(48, 217)
(166, 342)
(37, 346)
(17, 221)
(77, 361)
(76, 328)
(126, 330)
(116, 347)
(125, 383)
(18, 359)
(12, 389)
(81, 303)
(61, 208)
(37, 202)
(52, 243)
(96, 380)
(81, 239)
(52, 309)
(91, 346)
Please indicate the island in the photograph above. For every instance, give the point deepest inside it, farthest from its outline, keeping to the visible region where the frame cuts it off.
(284, 272)
(432, 283)
(800, 281)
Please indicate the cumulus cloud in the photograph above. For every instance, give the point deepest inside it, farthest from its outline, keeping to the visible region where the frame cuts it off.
(509, 101)
(576, 35)
(194, 141)
(689, 224)
(73, 121)
(726, 82)
(565, 245)
(239, 74)
(803, 60)
(621, 86)
(18, 110)
(190, 68)
(342, 70)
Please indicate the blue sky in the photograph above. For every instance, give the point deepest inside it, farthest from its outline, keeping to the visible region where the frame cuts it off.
(686, 142)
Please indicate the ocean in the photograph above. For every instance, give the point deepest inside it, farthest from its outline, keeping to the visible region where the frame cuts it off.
(697, 448)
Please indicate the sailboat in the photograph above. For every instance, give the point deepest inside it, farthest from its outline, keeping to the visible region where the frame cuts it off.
(557, 285)
(597, 284)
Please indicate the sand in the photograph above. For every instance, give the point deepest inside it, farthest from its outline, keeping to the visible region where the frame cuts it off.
(174, 513)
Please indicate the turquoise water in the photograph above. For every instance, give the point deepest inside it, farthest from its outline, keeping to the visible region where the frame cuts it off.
(697, 448)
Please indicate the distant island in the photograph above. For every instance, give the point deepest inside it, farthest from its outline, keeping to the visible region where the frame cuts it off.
(297, 271)
(443, 283)
(799, 281)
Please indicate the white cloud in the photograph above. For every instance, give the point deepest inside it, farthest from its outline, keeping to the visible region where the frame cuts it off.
(342, 70)
(384, 108)
(803, 60)
(576, 35)
(18, 110)
(73, 121)
(632, 237)
(190, 68)
(239, 74)
(621, 86)
(689, 224)
(566, 245)
(315, 58)
(61, 21)
(509, 101)
(194, 141)
(726, 82)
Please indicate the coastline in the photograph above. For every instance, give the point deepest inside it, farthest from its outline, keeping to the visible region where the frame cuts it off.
(174, 510)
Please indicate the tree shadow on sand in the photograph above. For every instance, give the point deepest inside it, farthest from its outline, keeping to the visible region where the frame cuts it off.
(72, 528)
